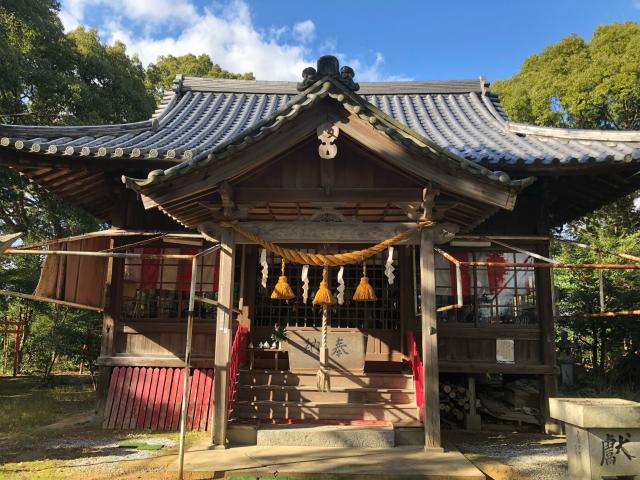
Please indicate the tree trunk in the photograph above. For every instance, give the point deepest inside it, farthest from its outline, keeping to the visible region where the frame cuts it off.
(594, 349)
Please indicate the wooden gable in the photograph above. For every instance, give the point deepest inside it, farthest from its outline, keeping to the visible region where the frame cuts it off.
(282, 177)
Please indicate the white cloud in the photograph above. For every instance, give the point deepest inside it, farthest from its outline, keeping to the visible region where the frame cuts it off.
(224, 31)
(370, 72)
(304, 32)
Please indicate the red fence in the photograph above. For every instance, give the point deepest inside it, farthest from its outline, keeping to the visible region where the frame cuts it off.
(151, 399)
(418, 372)
(238, 357)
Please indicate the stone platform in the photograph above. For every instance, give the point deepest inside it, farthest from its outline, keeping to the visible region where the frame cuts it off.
(331, 463)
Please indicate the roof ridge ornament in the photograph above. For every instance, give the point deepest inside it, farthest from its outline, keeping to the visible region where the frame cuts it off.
(176, 84)
(328, 66)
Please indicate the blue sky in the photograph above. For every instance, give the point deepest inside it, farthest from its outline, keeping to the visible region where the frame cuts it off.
(382, 40)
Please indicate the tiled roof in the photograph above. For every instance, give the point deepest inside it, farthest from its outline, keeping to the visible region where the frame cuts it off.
(461, 117)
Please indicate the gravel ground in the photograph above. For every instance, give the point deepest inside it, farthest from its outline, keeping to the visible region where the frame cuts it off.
(538, 456)
(107, 453)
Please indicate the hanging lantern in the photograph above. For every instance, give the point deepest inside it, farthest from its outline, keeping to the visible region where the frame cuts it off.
(323, 295)
(282, 290)
(364, 291)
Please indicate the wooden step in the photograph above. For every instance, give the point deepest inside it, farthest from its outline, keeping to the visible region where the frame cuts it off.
(351, 380)
(309, 393)
(318, 410)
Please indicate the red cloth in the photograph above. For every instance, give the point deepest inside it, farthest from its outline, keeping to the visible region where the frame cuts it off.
(183, 282)
(495, 274)
(150, 270)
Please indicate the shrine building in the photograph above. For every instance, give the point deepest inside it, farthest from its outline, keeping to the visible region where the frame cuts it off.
(301, 180)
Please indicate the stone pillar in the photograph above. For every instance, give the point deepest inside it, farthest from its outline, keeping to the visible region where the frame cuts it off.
(431, 412)
(223, 340)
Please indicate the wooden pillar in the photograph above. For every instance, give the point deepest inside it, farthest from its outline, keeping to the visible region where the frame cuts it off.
(110, 318)
(248, 291)
(223, 339)
(547, 340)
(407, 286)
(429, 340)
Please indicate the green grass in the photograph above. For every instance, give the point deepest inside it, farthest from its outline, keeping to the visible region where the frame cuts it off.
(25, 448)
(25, 406)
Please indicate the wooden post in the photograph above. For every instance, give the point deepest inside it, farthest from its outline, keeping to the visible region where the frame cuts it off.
(187, 367)
(407, 288)
(547, 340)
(248, 291)
(16, 350)
(223, 339)
(429, 340)
(110, 316)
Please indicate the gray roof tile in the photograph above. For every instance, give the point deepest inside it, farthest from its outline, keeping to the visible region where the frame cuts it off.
(460, 116)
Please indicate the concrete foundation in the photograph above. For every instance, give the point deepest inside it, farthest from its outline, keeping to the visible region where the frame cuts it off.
(372, 464)
(326, 436)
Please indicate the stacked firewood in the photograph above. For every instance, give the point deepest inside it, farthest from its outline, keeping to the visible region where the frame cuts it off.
(454, 402)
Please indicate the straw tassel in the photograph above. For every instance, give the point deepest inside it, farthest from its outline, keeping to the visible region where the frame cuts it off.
(323, 295)
(282, 290)
(364, 292)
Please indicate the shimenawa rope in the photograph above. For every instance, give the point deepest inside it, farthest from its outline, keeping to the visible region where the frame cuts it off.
(320, 260)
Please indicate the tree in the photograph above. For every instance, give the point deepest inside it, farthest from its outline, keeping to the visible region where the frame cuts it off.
(591, 84)
(35, 61)
(580, 83)
(107, 85)
(609, 346)
(161, 74)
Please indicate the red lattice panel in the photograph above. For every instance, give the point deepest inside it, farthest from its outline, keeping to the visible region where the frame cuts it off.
(150, 398)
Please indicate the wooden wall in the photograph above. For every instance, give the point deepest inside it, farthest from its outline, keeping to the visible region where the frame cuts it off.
(160, 343)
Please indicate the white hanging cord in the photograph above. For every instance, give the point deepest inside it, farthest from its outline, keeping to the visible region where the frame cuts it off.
(389, 268)
(265, 267)
(341, 286)
(305, 283)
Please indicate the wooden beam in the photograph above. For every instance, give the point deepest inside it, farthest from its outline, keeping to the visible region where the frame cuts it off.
(37, 298)
(332, 195)
(333, 232)
(224, 330)
(489, 367)
(429, 340)
(314, 232)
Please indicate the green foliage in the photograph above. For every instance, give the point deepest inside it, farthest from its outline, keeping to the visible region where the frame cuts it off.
(35, 61)
(578, 83)
(108, 86)
(610, 346)
(49, 77)
(161, 74)
(591, 84)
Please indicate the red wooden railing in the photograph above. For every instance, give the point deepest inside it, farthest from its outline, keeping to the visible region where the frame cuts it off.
(417, 370)
(238, 357)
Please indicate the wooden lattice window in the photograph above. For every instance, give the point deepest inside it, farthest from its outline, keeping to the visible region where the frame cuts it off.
(382, 314)
(493, 295)
(159, 288)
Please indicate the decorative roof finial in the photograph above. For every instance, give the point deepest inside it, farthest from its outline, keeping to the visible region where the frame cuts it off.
(328, 66)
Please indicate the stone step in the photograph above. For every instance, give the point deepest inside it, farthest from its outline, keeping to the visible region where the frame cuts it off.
(338, 379)
(309, 393)
(317, 410)
(326, 436)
